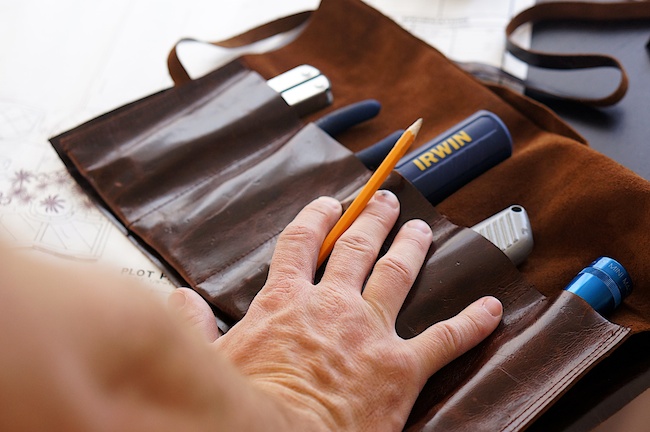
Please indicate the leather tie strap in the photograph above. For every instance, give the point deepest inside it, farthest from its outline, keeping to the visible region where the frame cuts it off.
(178, 72)
(550, 11)
(576, 11)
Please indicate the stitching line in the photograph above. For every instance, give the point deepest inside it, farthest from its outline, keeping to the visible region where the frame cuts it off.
(559, 385)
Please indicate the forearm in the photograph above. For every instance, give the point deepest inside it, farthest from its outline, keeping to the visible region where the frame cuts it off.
(82, 352)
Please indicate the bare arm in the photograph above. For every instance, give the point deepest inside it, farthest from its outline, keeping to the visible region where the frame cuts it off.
(84, 352)
(88, 353)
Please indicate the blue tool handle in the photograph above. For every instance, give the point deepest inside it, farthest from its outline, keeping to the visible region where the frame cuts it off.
(454, 158)
(373, 156)
(344, 118)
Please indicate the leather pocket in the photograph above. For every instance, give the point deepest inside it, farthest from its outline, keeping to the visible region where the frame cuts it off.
(540, 349)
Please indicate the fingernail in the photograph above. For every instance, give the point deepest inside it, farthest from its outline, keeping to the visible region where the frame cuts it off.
(332, 202)
(387, 197)
(493, 306)
(177, 300)
(419, 225)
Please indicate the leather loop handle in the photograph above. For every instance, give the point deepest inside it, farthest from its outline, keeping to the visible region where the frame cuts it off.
(578, 11)
(178, 72)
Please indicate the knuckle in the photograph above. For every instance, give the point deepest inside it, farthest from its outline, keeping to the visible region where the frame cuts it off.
(357, 243)
(396, 268)
(459, 334)
(276, 293)
(284, 271)
(418, 242)
(450, 337)
(297, 232)
(474, 326)
(379, 311)
(195, 319)
(383, 214)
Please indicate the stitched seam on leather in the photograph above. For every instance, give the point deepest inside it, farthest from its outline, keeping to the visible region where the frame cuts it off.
(215, 175)
(595, 353)
(182, 113)
(235, 260)
(239, 258)
(553, 391)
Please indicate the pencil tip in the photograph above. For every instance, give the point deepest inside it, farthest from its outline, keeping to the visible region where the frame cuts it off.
(415, 127)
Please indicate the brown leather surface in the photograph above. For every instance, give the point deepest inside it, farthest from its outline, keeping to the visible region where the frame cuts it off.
(582, 204)
(206, 194)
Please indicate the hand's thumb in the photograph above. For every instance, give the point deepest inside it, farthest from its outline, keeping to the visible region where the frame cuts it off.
(190, 307)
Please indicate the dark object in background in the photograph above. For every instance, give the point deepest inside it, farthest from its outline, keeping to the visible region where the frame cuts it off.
(619, 131)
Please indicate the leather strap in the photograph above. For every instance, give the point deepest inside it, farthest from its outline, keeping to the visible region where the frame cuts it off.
(550, 11)
(178, 72)
(576, 11)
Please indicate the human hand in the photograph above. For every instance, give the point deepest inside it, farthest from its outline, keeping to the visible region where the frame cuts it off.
(86, 351)
(329, 352)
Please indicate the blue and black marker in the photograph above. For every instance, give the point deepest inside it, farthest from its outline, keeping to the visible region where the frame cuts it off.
(454, 158)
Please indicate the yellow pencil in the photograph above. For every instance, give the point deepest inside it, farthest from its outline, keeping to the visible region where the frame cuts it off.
(369, 189)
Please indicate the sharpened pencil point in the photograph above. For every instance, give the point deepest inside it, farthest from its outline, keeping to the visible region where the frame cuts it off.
(415, 127)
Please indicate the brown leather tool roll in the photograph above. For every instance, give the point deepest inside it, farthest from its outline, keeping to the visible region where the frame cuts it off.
(203, 176)
(581, 203)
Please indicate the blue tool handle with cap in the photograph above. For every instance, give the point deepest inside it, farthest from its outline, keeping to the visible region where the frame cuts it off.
(603, 284)
(454, 158)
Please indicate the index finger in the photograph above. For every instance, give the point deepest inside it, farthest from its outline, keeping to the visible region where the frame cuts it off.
(297, 248)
